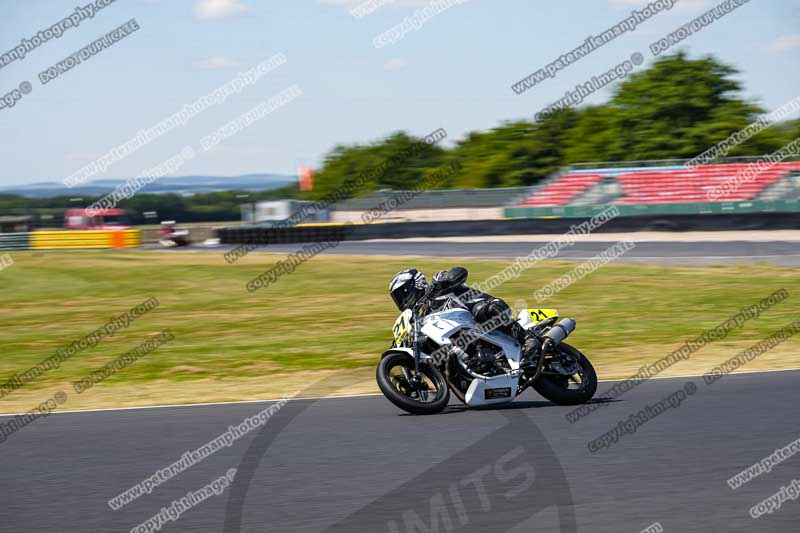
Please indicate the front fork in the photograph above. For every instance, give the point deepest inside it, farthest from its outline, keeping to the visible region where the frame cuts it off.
(415, 347)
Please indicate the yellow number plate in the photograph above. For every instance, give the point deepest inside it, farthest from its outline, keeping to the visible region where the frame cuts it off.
(402, 327)
(537, 315)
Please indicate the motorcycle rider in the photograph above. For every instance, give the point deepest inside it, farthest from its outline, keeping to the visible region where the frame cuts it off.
(449, 289)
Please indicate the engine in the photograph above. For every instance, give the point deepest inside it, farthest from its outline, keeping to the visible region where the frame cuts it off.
(484, 358)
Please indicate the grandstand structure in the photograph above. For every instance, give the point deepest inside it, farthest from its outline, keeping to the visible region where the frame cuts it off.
(637, 188)
(668, 184)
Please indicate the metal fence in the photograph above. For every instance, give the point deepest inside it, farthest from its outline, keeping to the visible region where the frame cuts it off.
(70, 240)
(694, 208)
(14, 241)
(661, 163)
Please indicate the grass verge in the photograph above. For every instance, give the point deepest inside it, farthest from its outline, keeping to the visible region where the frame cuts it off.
(334, 313)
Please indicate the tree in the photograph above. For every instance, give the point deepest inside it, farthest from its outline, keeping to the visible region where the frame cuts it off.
(678, 108)
(397, 162)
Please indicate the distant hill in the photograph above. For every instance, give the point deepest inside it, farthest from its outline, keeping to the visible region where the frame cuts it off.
(177, 184)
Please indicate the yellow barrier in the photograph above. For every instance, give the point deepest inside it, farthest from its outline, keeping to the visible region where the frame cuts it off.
(67, 240)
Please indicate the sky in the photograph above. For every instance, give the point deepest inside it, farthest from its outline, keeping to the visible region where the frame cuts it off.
(453, 71)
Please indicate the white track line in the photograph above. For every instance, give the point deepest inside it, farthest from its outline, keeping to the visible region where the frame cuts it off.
(627, 257)
(637, 236)
(344, 396)
(470, 255)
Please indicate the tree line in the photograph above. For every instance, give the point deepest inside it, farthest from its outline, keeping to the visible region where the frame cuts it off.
(676, 109)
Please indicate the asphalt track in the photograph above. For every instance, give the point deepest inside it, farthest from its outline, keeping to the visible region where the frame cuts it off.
(360, 464)
(777, 253)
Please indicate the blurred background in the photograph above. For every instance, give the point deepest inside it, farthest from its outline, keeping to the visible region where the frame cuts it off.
(137, 130)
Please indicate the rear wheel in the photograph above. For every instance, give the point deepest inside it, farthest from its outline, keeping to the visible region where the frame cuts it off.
(568, 379)
(426, 396)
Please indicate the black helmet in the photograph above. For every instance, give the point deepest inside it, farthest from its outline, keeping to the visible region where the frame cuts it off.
(447, 280)
(487, 309)
(406, 288)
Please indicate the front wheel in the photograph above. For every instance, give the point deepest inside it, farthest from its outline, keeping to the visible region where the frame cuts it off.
(426, 396)
(574, 382)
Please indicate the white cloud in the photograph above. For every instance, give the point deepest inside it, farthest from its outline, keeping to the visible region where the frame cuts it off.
(692, 4)
(215, 63)
(214, 9)
(397, 3)
(680, 4)
(396, 63)
(784, 43)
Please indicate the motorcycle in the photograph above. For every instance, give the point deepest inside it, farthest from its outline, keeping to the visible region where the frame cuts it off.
(436, 352)
(172, 236)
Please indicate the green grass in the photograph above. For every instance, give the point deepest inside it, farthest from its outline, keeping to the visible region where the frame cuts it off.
(333, 313)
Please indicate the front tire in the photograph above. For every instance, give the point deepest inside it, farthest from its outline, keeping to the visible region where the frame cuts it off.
(556, 388)
(427, 398)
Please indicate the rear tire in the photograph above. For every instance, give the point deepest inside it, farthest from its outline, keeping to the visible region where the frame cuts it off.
(553, 387)
(389, 388)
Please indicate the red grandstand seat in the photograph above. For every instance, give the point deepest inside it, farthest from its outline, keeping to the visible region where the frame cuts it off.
(563, 190)
(659, 185)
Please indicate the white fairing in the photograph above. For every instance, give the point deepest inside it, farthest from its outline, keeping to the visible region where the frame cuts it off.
(440, 327)
(493, 390)
(524, 319)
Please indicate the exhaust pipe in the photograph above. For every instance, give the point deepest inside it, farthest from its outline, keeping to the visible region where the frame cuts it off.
(558, 333)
